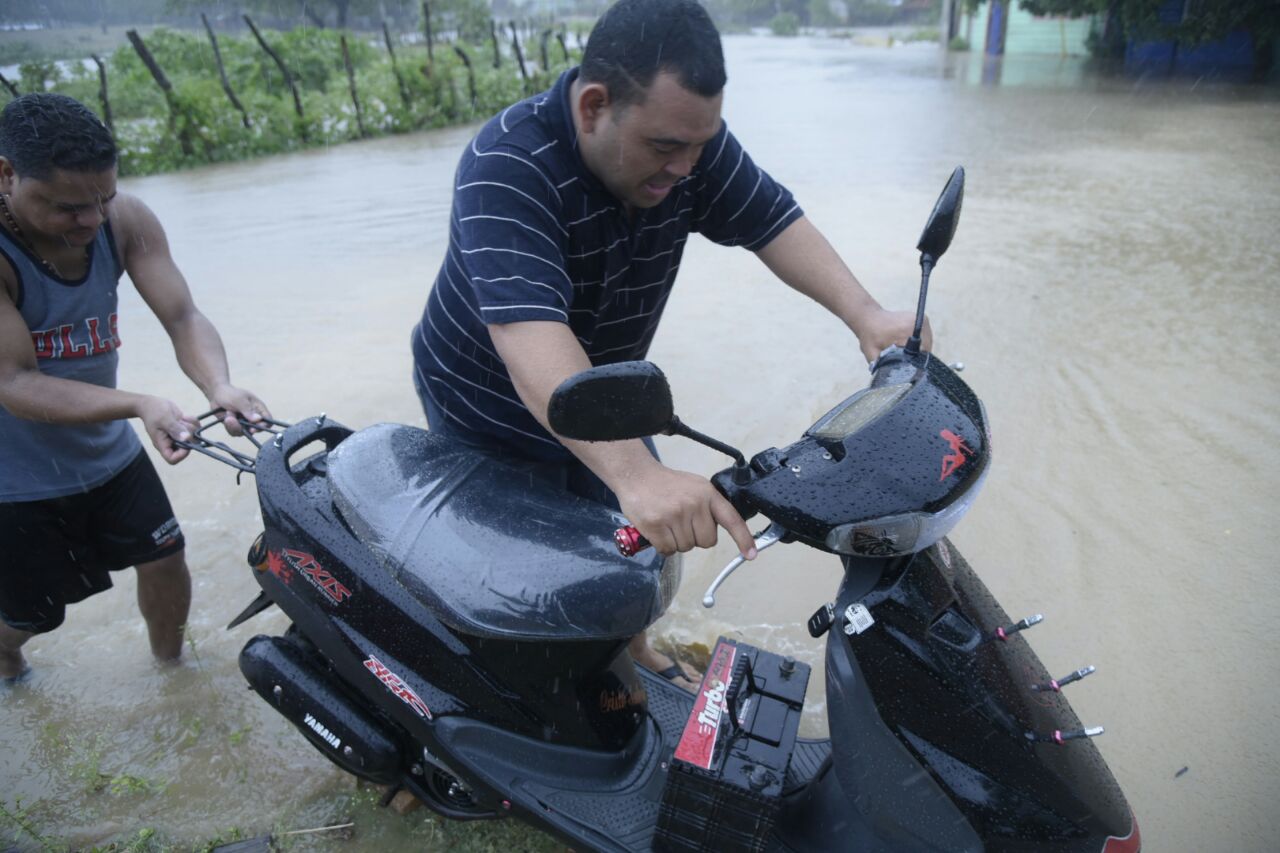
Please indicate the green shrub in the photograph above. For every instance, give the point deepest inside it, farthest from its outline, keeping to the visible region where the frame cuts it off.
(39, 75)
(785, 24)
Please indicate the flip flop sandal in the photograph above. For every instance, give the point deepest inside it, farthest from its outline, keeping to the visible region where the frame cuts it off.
(673, 672)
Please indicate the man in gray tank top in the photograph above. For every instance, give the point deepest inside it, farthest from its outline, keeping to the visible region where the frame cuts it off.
(79, 497)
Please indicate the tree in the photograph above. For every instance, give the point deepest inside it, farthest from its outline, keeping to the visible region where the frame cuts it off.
(315, 12)
(1205, 20)
(1189, 23)
(822, 15)
(469, 19)
(1069, 8)
(742, 12)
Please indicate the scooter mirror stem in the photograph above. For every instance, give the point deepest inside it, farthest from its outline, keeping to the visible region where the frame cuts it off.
(678, 427)
(927, 262)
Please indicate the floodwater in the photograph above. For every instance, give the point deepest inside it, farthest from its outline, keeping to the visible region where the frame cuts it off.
(1110, 290)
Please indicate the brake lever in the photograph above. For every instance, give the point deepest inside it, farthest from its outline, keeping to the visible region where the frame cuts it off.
(771, 535)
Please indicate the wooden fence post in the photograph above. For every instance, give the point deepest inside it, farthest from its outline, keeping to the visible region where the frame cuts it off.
(395, 68)
(102, 93)
(426, 25)
(493, 36)
(564, 47)
(542, 46)
(351, 82)
(471, 73)
(515, 45)
(288, 78)
(184, 134)
(222, 73)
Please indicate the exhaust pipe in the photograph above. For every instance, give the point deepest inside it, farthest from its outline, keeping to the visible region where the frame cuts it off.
(346, 733)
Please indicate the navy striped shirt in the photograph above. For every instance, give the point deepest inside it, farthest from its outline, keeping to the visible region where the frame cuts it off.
(533, 235)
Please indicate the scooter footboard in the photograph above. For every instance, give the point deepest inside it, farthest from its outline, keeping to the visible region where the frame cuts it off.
(725, 785)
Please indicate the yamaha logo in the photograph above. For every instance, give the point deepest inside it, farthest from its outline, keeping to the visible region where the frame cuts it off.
(318, 727)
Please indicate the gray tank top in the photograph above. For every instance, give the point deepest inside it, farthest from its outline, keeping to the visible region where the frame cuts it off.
(73, 330)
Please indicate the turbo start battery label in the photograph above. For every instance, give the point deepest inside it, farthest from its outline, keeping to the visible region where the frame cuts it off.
(702, 730)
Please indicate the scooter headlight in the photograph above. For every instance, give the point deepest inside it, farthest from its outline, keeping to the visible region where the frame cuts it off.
(858, 411)
(908, 533)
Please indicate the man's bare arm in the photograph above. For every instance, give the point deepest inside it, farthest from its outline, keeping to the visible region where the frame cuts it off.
(196, 343)
(803, 258)
(675, 510)
(28, 393)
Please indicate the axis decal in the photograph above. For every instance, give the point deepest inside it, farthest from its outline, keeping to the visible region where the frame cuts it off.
(317, 576)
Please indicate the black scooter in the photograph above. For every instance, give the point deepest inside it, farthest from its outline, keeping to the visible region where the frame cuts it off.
(460, 630)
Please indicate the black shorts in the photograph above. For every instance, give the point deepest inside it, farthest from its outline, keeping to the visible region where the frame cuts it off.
(58, 551)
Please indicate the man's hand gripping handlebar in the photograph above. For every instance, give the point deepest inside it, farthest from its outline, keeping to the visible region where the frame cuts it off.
(631, 542)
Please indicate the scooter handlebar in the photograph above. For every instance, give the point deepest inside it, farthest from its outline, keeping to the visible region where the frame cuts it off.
(629, 541)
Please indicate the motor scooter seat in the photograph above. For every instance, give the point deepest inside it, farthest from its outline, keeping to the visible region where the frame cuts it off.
(491, 550)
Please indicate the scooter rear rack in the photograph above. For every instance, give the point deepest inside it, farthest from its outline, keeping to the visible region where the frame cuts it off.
(225, 453)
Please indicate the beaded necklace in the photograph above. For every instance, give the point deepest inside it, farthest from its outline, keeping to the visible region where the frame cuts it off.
(26, 241)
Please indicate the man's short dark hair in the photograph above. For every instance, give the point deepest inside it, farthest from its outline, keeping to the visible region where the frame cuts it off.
(636, 39)
(43, 131)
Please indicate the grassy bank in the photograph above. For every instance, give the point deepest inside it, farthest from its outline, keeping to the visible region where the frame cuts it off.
(47, 45)
(288, 90)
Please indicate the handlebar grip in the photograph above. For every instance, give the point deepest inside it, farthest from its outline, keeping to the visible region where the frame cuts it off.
(629, 541)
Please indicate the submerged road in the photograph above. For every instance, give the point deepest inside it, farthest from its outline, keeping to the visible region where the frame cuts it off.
(1111, 289)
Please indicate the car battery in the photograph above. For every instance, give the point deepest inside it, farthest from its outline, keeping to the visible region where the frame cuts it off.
(724, 782)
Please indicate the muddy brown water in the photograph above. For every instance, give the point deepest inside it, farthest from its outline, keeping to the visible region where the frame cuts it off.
(1111, 291)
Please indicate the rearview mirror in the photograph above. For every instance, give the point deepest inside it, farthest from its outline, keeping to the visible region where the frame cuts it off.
(942, 223)
(612, 402)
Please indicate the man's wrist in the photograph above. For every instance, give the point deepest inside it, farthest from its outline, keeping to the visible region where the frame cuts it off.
(861, 317)
(624, 466)
(219, 390)
(138, 404)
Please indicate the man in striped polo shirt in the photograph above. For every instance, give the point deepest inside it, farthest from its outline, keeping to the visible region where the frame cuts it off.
(570, 213)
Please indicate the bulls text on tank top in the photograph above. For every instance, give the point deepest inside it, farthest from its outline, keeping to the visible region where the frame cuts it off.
(74, 333)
